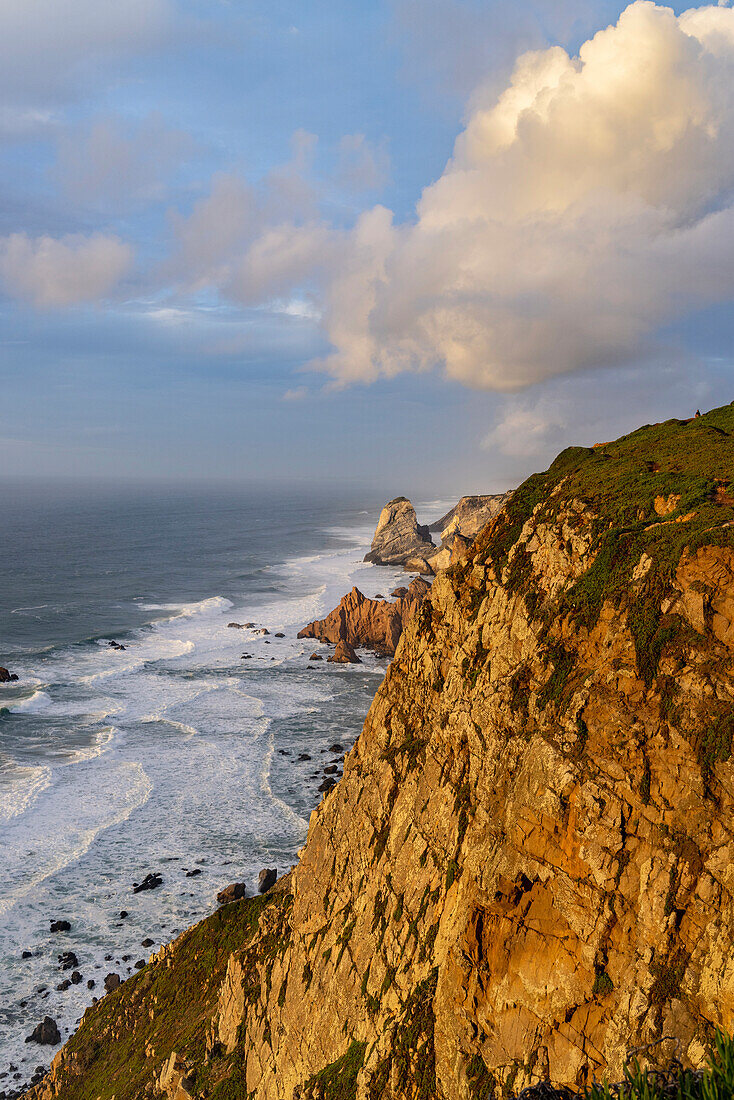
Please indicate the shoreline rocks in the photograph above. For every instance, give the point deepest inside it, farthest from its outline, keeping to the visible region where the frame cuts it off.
(233, 892)
(7, 677)
(370, 624)
(46, 1033)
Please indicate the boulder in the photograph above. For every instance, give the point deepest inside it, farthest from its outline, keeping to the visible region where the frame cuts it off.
(46, 1033)
(68, 961)
(233, 892)
(267, 878)
(369, 624)
(235, 626)
(344, 654)
(419, 565)
(316, 657)
(111, 982)
(150, 882)
(60, 926)
(6, 677)
(398, 536)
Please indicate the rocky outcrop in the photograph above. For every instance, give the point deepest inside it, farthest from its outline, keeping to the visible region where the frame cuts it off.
(370, 624)
(344, 654)
(7, 677)
(461, 525)
(399, 536)
(526, 869)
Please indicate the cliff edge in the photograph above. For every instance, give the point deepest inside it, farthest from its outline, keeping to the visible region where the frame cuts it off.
(527, 868)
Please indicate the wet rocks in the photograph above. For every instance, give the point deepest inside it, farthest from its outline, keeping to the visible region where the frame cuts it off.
(267, 878)
(76, 978)
(111, 983)
(192, 874)
(327, 785)
(26, 955)
(7, 677)
(60, 926)
(150, 882)
(344, 654)
(68, 961)
(233, 892)
(46, 1033)
(316, 657)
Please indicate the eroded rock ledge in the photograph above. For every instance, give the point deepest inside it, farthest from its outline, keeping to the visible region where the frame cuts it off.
(369, 624)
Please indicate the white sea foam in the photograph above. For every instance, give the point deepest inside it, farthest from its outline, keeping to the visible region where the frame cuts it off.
(19, 789)
(28, 704)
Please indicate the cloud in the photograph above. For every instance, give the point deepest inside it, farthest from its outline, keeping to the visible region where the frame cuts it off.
(526, 431)
(362, 166)
(585, 208)
(297, 394)
(46, 46)
(114, 164)
(51, 272)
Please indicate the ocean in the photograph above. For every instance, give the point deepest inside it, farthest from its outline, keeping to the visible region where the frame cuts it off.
(174, 754)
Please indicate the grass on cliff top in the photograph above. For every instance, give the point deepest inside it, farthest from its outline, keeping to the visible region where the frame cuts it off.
(168, 1008)
(618, 483)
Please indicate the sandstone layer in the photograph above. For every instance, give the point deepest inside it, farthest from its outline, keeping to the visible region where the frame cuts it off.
(398, 536)
(527, 868)
(370, 624)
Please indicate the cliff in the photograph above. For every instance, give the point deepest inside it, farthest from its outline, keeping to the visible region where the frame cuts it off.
(527, 868)
(462, 524)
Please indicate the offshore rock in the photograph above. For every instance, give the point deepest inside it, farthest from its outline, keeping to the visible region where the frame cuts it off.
(46, 1033)
(344, 654)
(399, 536)
(369, 624)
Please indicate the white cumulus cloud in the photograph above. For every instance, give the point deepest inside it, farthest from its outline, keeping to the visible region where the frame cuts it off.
(583, 209)
(51, 272)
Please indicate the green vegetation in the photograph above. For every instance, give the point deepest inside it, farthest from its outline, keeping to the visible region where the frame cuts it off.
(338, 1081)
(170, 1009)
(482, 1084)
(714, 743)
(716, 1082)
(413, 1051)
(603, 984)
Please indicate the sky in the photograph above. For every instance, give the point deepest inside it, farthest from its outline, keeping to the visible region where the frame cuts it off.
(415, 245)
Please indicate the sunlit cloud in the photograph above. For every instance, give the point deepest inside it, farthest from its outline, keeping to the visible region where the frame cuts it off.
(50, 272)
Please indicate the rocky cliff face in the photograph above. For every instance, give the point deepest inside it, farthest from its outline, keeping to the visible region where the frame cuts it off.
(398, 536)
(528, 866)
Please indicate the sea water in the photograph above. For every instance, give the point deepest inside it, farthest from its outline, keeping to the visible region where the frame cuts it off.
(172, 755)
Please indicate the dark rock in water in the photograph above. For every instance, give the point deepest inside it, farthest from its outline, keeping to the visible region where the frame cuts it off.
(27, 955)
(331, 769)
(316, 657)
(327, 785)
(111, 982)
(68, 961)
(126, 958)
(280, 634)
(147, 942)
(304, 756)
(233, 892)
(60, 926)
(379, 596)
(139, 964)
(192, 874)
(91, 983)
(76, 978)
(267, 878)
(5, 676)
(123, 913)
(63, 986)
(46, 1033)
(246, 657)
(108, 958)
(336, 747)
(150, 882)
(236, 626)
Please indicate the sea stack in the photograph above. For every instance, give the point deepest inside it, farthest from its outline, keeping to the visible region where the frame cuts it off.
(399, 536)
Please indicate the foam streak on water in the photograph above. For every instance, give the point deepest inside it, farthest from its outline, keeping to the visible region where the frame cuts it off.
(176, 753)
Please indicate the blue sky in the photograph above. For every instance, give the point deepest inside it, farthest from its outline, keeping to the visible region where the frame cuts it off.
(233, 242)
